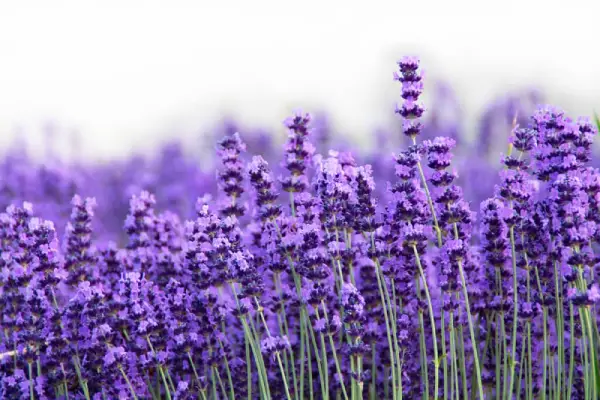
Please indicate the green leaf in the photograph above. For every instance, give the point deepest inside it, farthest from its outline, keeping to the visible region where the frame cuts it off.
(597, 120)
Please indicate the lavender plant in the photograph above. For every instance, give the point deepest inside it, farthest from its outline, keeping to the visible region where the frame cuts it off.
(362, 282)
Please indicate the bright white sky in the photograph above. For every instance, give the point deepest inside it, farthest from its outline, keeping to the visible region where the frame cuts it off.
(126, 73)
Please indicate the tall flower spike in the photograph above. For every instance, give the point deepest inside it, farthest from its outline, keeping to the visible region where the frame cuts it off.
(167, 243)
(590, 178)
(353, 306)
(408, 206)
(48, 262)
(365, 206)
(232, 176)
(570, 211)
(57, 350)
(562, 144)
(266, 196)
(494, 238)
(111, 261)
(298, 154)
(455, 215)
(334, 190)
(19, 289)
(241, 264)
(198, 236)
(80, 256)
(139, 226)
(412, 87)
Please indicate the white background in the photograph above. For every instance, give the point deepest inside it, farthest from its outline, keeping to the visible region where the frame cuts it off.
(125, 74)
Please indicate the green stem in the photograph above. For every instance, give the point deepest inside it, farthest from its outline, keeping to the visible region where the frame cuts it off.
(213, 384)
(193, 365)
(423, 346)
(62, 367)
(335, 357)
(261, 362)
(546, 350)
(569, 387)
(499, 393)
(303, 340)
(587, 338)
(528, 328)
(584, 353)
(552, 382)
(373, 386)
(248, 367)
(285, 383)
(310, 375)
(262, 383)
(454, 366)
(277, 355)
(160, 370)
(432, 321)
(82, 383)
(521, 373)
(228, 372)
(593, 354)
(128, 383)
(444, 354)
(304, 320)
(462, 359)
(436, 225)
(325, 367)
(388, 324)
(545, 333)
(559, 326)
(488, 338)
(285, 331)
(515, 311)
(360, 383)
(471, 330)
(221, 385)
(31, 391)
(168, 375)
(148, 385)
(386, 384)
(258, 358)
(164, 380)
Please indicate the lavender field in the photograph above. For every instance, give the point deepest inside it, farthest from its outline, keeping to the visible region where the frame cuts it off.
(308, 268)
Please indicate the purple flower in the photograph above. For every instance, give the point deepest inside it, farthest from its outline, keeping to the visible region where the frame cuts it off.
(593, 294)
(266, 196)
(115, 356)
(231, 177)
(411, 90)
(139, 226)
(80, 255)
(298, 153)
(273, 345)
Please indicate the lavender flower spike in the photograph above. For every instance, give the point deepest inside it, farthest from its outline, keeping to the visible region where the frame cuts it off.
(80, 255)
(412, 87)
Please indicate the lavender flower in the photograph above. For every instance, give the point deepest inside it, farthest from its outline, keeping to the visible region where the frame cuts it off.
(262, 182)
(298, 154)
(139, 226)
(81, 255)
(232, 175)
(412, 86)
